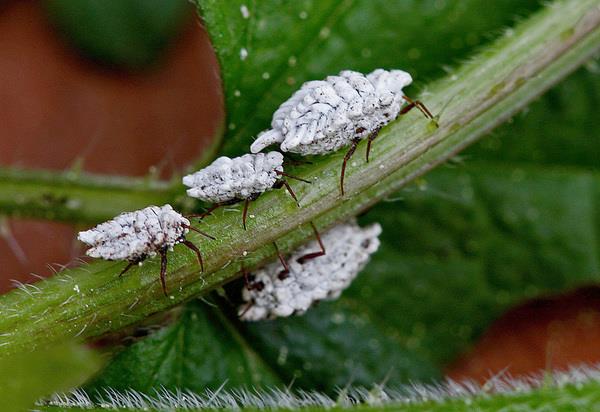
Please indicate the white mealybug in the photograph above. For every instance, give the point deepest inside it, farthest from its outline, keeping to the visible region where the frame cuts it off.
(230, 180)
(135, 236)
(326, 115)
(271, 293)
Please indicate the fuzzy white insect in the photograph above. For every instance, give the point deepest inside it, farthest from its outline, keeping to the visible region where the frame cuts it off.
(269, 294)
(228, 181)
(326, 115)
(135, 236)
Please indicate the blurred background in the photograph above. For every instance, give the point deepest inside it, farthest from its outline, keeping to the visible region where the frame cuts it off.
(137, 92)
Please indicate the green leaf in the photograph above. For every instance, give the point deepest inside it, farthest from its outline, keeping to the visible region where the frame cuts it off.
(335, 345)
(458, 250)
(129, 33)
(27, 376)
(472, 241)
(200, 350)
(289, 42)
(329, 347)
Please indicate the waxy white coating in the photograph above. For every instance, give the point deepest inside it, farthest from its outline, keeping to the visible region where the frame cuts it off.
(348, 248)
(238, 178)
(136, 235)
(326, 115)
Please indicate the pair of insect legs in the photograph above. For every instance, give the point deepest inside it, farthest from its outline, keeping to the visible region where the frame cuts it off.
(163, 258)
(411, 105)
(252, 285)
(280, 183)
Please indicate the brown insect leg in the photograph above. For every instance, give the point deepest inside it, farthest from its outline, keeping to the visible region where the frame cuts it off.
(194, 248)
(418, 104)
(163, 270)
(346, 158)
(370, 139)
(313, 255)
(129, 266)
(246, 309)
(245, 212)
(246, 278)
(289, 189)
(286, 269)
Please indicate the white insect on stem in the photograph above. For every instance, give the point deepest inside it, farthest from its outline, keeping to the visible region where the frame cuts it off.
(340, 111)
(231, 180)
(135, 236)
(271, 292)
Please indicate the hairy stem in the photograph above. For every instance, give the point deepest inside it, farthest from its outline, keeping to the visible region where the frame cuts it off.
(91, 300)
(76, 197)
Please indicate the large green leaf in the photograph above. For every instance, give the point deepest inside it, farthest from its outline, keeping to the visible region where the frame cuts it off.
(266, 49)
(457, 250)
(129, 33)
(330, 347)
(201, 350)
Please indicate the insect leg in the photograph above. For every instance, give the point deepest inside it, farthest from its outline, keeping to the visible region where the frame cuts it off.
(346, 158)
(313, 255)
(246, 309)
(289, 189)
(286, 269)
(418, 104)
(129, 266)
(163, 270)
(370, 139)
(245, 212)
(194, 248)
(246, 278)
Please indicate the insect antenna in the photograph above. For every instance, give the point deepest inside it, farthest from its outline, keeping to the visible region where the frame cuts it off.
(199, 231)
(292, 176)
(313, 255)
(194, 248)
(287, 160)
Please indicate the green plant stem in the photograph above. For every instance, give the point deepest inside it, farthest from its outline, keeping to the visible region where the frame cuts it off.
(91, 300)
(76, 197)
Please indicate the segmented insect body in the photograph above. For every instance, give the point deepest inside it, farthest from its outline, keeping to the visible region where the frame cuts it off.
(326, 115)
(135, 236)
(270, 295)
(231, 180)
